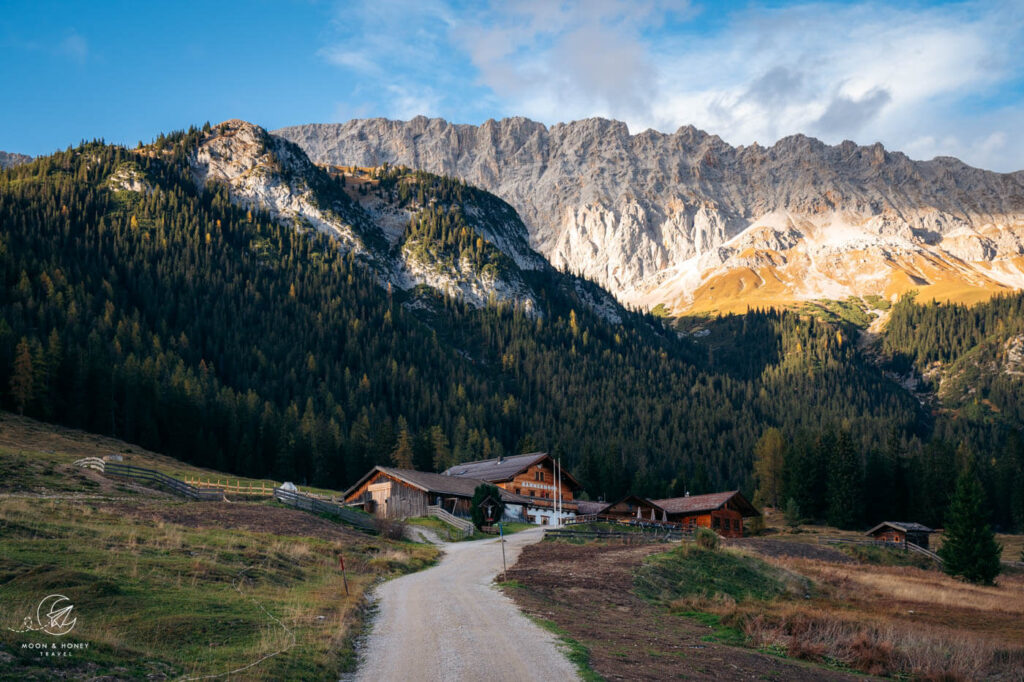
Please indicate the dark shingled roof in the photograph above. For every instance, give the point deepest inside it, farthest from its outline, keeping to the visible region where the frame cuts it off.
(586, 507)
(905, 526)
(440, 484)
(497, 469)
(705, 503)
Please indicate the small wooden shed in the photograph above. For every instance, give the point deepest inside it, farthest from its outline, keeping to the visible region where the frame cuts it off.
(721, 512)
(901, 532)
(634, 507)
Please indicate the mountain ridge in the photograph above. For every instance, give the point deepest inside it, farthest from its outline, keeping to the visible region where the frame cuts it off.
(12, 159)
(646, 215)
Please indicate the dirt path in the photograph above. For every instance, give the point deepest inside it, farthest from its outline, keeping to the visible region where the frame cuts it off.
(450, 623)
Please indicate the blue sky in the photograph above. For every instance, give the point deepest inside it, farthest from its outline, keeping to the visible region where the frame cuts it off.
(928, 78)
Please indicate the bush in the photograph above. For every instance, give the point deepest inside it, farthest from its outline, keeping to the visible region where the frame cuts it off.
(392, 529)
(706, 538)
(689, 574)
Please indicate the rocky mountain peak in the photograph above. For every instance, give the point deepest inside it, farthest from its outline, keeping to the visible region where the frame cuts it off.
(648, 215)
(11, 159)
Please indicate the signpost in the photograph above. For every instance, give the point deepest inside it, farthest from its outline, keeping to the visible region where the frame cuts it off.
(344, 577)
(489, 506)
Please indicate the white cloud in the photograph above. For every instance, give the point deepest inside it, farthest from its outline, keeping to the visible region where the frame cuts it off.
(75, 47)
(868, 72)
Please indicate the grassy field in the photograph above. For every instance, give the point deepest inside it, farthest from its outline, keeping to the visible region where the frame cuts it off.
(775, 526)
(165, 587)
(874, 614)
(30, 446)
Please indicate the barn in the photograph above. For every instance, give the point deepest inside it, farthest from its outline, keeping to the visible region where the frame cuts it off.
(901, 532)
(401, 493)
(634, 507)
(721, 512)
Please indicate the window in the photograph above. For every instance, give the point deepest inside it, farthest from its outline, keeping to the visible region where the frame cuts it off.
(517, 491)
(715, 522)
(533, 494)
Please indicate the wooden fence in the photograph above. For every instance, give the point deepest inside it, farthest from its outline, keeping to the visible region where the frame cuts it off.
(630, 521)
(174, 485)
(465, 526)
(905, 546)
(626, 537)
(249, 488)
(311, 504)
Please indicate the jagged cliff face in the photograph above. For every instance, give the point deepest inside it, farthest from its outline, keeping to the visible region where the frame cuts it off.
(688, 221)
(10, 159)
(268, 173)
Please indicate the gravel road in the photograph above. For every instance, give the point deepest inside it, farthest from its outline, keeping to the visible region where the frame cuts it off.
(449, 623)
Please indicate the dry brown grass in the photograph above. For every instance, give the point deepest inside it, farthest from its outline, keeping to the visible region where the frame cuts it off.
(887, 620)
(880, 647)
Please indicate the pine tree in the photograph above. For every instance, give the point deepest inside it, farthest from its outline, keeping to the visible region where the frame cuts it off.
(844, 484)
(969, 548)
(402, 455)
(770, 453)
(442, 449)
(22, 380)
(793, 517)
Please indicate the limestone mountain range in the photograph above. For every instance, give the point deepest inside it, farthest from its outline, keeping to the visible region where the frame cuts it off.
(693, 223)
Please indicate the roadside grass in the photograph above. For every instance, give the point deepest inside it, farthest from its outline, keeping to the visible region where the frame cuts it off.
(887, 556)
(444, 530)
(513, 527)
(577, 653)
(879, 617)
(159, 598)
(161, 587)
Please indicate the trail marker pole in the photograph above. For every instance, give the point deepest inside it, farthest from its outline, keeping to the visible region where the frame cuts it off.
(504, 566)
(344, 577)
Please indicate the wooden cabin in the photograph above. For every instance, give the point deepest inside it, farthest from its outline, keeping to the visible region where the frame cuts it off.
(401, 493)
(721, 512)
(901, 532)
(531, 476)
(393, 493)
(634, 507)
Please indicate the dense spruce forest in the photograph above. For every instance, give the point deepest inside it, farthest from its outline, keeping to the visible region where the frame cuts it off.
(171, 318)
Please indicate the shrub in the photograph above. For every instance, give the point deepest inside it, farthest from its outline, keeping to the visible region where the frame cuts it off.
(392, 529)
(688, 575)
(706, 538)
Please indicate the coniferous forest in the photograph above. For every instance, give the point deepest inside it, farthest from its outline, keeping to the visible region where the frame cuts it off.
(176, 320)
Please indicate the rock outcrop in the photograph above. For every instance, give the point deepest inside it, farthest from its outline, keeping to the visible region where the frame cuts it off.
(10, 159)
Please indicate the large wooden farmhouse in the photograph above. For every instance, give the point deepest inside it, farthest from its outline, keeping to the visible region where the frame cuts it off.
(531, 488)
(550, 491)
(721, 512)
